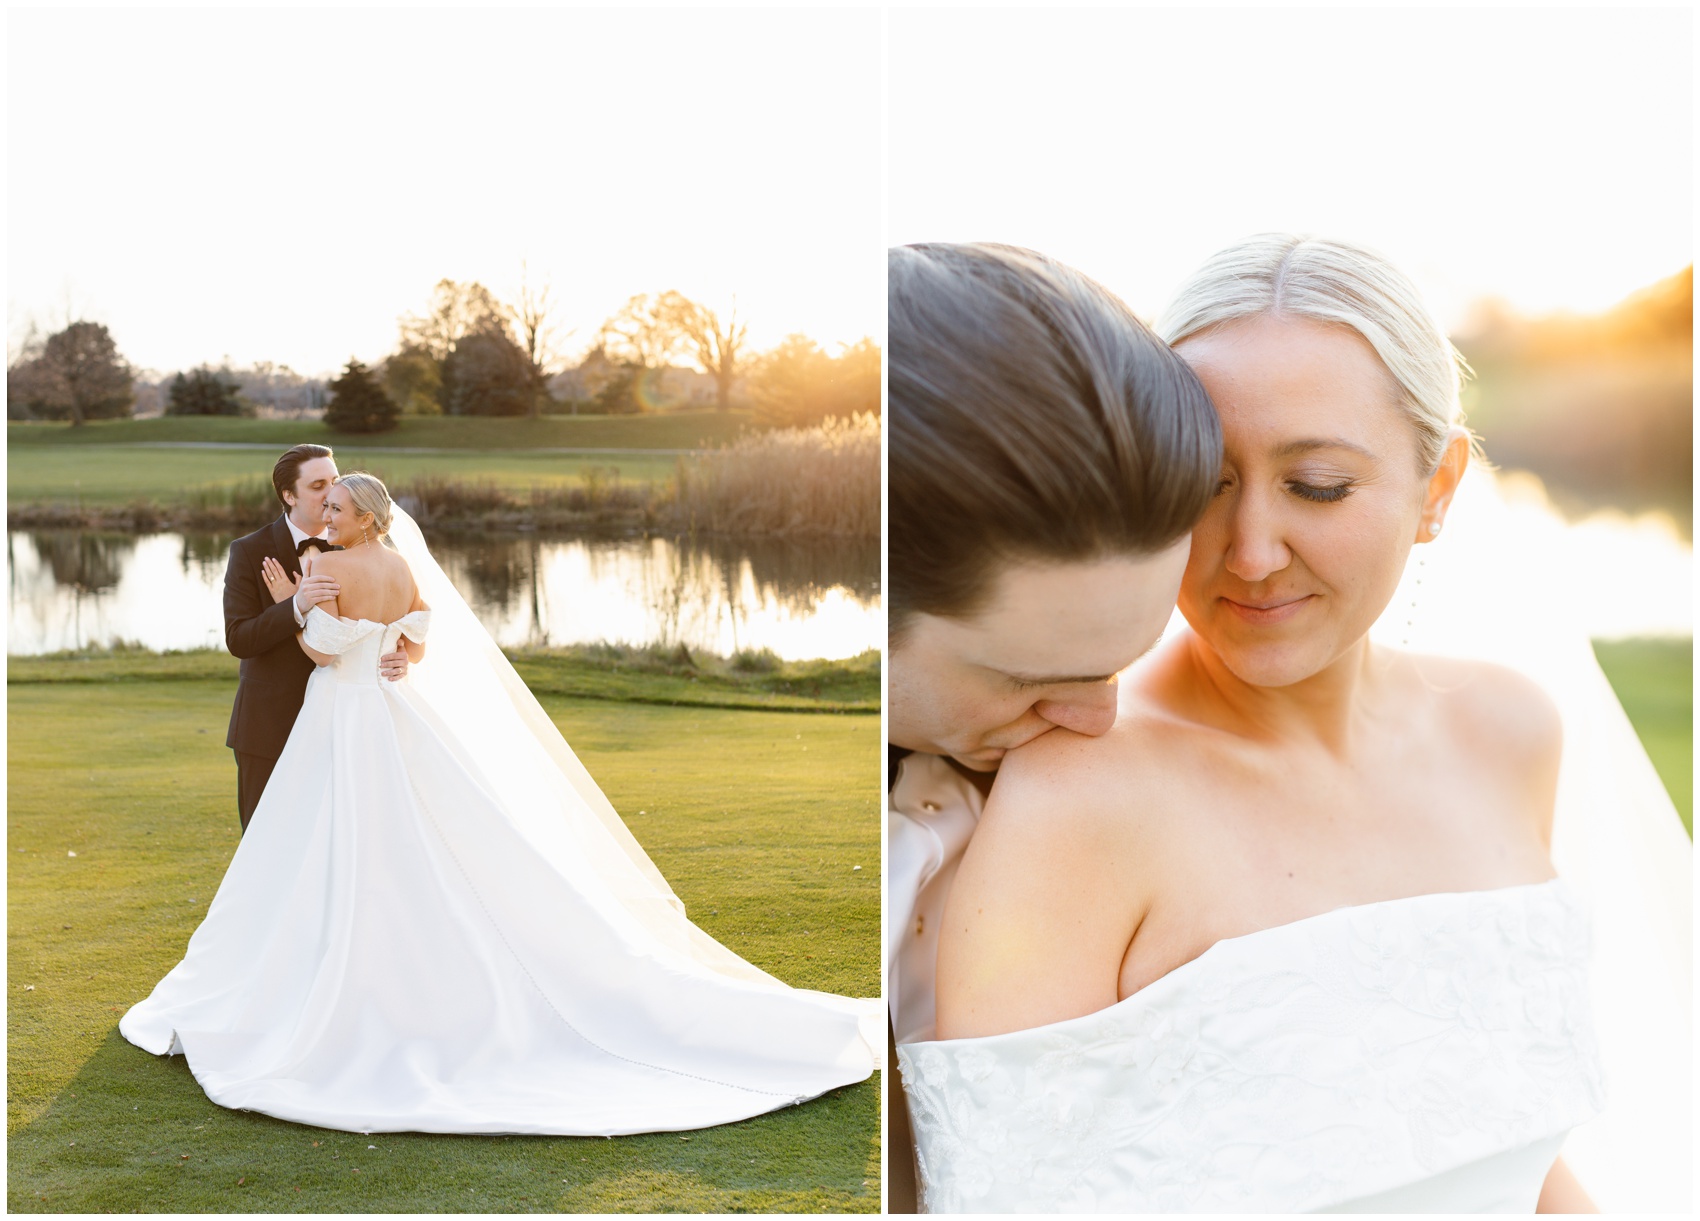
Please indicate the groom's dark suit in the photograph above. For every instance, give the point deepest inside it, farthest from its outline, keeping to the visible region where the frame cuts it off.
(274, 670)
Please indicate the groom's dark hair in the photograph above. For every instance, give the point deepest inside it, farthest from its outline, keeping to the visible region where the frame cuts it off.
(288, 469)
(1031, 417)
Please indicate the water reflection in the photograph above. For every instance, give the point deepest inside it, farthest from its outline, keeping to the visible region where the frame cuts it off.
(73, 589)
(86, 562)
(798, 600)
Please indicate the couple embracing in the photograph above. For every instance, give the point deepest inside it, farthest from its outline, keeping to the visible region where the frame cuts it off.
(1242, 911)
(435, 921)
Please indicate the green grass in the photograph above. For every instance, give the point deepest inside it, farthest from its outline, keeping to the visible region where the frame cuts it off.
(755, 817)
(472, 474)
(1654, 679)
(672, 430)
(111, 475)
(99, 465)
(645, 675)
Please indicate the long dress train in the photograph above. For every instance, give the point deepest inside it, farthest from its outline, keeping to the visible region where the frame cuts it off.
(399, 946)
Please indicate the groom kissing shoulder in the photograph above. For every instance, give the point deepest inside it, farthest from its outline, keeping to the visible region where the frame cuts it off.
(1048, 458)
(261, 631)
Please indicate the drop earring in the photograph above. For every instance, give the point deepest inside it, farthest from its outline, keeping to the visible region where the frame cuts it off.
(1406, 641)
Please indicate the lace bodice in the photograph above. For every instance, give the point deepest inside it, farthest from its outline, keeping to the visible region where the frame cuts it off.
(358, 643)
(1421, 1053)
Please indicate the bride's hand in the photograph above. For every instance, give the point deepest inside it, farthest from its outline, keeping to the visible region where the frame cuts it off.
(278, 582)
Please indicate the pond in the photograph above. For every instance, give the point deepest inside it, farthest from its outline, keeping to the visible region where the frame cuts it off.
(77, 589)
(72, 589)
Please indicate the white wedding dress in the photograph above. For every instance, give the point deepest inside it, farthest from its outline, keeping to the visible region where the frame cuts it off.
(1426, 1054)
(416, 934)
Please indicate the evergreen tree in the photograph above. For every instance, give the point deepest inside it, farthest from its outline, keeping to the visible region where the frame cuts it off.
(618, 395)
(203, 391)
(358, 403)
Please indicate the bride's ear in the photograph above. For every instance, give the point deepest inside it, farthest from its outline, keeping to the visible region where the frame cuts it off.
(1454, 461)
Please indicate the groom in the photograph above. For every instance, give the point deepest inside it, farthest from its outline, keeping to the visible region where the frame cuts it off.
(1048, 458)
(274, 672)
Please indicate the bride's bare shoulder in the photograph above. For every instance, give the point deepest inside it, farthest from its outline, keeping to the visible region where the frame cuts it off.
(1503, 724)
(1068, 777)
(1493, 709)
(1055, 881)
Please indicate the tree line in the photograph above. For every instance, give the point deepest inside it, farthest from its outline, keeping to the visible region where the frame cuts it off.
(1600, 406)
(469, 353)
(78, 374)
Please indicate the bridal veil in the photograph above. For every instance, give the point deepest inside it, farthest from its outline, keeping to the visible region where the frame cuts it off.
(1499, 585)
(556, 805)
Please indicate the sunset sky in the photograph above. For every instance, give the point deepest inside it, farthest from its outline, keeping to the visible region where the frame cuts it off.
(1539, 155)
(281, 185)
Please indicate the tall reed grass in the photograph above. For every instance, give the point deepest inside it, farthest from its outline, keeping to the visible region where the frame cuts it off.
(823, 480)
(247, 503)
(599, 497)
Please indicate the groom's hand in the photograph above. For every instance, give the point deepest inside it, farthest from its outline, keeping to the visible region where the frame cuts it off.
(393, 666)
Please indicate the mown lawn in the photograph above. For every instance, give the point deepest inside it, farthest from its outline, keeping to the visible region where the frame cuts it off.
(104, 475)
(757, 818)
(1654, 679)
(644, 675)
(113, 462)
(671, 430)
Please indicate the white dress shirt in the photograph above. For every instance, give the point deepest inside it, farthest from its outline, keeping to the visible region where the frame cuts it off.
(296, 534)
(931, 813)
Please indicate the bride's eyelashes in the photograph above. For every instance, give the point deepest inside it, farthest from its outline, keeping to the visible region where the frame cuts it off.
(1316, 493)
(1329, 493)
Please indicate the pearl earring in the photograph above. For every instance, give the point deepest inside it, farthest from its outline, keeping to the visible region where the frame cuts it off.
(1434, 529)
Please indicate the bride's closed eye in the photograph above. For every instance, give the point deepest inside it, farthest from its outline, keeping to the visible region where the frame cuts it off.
(1325, 493)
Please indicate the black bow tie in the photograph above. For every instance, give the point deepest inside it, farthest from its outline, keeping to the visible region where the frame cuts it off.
(321, 544)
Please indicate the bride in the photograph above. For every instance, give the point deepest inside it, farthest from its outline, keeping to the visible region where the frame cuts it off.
(441, 925)
(1288, 936)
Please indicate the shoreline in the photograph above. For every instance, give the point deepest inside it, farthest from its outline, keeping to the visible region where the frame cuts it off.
(653, 674)
(636, 522)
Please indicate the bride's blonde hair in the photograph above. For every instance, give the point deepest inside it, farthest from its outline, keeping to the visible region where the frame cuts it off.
(369, 496)
(1343, 284)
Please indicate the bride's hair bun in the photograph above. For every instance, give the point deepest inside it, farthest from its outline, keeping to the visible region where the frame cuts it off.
(1343, 284)
(369, 496)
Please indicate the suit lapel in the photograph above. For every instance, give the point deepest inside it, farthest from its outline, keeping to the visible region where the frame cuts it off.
(283, 548)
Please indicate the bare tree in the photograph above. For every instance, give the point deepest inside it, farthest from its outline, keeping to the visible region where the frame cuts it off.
(540, 336)
(645, 331)
(718, 348)
(457, 310)
(24, 345)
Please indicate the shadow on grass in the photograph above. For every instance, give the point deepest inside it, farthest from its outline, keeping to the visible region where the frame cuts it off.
(133, 1132)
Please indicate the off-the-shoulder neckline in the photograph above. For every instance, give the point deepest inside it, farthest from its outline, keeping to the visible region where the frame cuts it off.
(373, 622)
(1154, 990)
